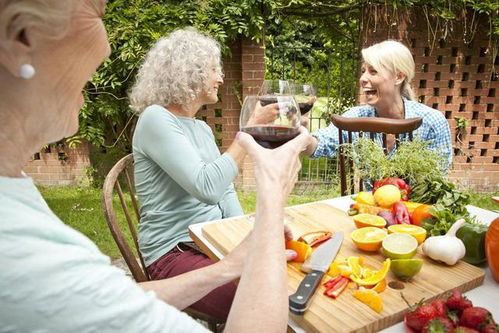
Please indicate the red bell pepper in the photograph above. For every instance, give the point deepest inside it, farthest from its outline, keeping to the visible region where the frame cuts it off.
(400, 213)
(400, 183)
(315, 237)
(337, 288)
(329, 284)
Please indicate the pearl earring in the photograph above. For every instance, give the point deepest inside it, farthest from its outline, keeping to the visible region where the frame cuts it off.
(27, 71)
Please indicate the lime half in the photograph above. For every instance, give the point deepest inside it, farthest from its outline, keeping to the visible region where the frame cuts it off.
(399, 246)
(405, 269)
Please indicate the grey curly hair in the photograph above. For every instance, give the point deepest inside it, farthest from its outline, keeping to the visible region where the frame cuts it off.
(50, 18)
(176, 70)
(395, 57)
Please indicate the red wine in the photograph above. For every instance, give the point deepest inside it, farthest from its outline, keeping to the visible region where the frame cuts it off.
(305, 107)
(271, 136)
(267, 100)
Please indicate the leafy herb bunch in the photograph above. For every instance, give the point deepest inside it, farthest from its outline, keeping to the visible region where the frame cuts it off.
(412, 161)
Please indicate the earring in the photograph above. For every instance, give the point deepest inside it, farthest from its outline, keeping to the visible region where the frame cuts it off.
(27, 71)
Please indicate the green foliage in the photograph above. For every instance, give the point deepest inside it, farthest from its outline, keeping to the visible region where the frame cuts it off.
(412, 161)
(307, 40)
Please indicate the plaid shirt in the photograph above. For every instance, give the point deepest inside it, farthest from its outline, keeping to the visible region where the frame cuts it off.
(434, 129)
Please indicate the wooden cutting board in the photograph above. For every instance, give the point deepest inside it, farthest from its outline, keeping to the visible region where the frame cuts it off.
(347, 314)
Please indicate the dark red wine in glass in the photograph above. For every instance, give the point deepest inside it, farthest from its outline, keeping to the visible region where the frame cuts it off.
(266, 100)
(305, 107)
(271, 136)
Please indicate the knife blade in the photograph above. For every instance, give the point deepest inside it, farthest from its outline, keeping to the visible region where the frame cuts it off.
(319, 262)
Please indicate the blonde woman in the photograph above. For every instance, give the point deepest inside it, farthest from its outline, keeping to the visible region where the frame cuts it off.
(387, 71)
(53, 278)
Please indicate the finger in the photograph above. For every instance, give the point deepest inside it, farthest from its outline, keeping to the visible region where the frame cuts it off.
(303, 130)
(247, 142)
(298, 144)
(290, 255)
(288, 234)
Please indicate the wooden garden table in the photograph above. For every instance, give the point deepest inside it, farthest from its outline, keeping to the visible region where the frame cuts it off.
(486, 295)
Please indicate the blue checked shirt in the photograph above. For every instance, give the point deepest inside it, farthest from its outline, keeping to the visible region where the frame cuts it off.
(434, 129)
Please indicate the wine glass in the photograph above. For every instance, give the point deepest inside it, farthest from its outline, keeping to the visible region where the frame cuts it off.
(272, 120)
(305, 95)
(275, 87)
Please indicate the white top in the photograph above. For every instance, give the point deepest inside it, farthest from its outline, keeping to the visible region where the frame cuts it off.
(54, 279)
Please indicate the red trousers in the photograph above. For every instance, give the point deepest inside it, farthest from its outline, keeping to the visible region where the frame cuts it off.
(217, 303)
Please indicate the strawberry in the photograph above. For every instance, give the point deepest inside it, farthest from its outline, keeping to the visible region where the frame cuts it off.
(438, 325)
(419, 315)
(457, 301)
(464, 329)
(490, 328)
(475, 317)
(440, 307)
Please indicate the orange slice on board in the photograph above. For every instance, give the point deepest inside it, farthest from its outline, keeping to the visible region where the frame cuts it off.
(368, 238)
(413, 230)
(368, 220)
(375, 278)
(369, 297)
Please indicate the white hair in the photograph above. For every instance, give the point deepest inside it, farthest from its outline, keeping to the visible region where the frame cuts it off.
(49, 18)
(176, 70)
(394, 57)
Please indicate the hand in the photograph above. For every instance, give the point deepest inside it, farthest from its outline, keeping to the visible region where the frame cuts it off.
(305, 120)
(235, 259)
(276, 170)
(264, 114)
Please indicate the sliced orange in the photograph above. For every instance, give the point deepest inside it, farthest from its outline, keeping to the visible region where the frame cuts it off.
(413, 230)
(368, 238)
(355, 264)
(334, 269)
(375, 278)
(369, 220)
(303, 250)
(369, 297)
(380, 286)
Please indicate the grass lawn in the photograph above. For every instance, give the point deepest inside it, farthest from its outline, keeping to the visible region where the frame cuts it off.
(81, 208)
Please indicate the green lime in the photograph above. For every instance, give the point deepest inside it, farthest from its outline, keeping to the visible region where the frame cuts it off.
(405, 269)
(399, 246)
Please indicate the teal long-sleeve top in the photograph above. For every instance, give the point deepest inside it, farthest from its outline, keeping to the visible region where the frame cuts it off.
(181, 179)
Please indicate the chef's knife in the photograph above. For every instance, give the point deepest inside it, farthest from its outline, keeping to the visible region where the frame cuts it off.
(319, 262)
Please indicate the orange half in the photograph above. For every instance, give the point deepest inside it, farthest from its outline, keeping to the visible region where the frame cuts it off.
(369, 220)
(368, 238)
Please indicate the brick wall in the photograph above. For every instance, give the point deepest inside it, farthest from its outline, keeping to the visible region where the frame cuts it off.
(58, 164)
(459, 79)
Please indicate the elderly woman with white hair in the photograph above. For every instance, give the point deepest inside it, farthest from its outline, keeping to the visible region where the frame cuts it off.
(180, 176)
(52, 277)
(387, 71)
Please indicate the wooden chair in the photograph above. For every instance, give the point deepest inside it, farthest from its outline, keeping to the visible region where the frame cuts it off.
(124, 169)
(362, 126)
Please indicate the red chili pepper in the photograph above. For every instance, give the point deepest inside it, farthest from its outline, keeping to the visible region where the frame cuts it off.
(400, 213)
(315, 237)
(400, 183)
(337, 288)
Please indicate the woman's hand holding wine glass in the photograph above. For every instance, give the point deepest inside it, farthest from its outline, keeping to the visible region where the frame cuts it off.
(305, 95)
(272, 120)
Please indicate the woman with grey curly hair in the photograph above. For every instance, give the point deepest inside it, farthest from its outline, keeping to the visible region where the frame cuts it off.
(52, 277)
(180, 176)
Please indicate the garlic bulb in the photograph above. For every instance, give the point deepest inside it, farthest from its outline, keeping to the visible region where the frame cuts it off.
(447, 248)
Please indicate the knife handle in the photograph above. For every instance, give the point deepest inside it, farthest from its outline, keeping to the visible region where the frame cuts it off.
(298, 301)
